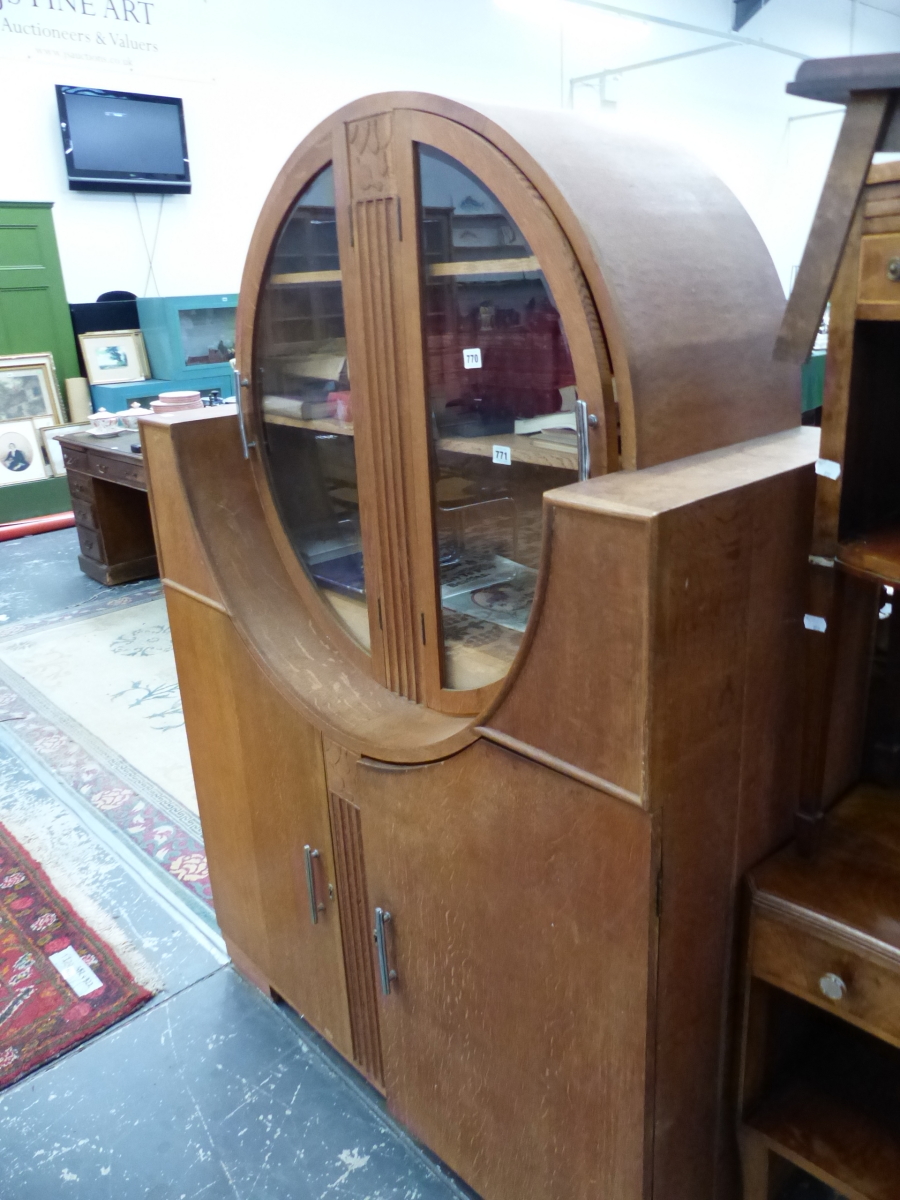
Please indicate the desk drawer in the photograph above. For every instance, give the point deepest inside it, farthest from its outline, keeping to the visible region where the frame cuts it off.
(84, 513)
(866, 991)
(879, 275)
(91, 543)
(80, 486)
(116, 471)
(75, 458)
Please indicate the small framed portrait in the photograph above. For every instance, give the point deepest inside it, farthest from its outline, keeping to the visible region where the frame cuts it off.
(52, 449)
(28, 388)
(21, 459)
(115, 357)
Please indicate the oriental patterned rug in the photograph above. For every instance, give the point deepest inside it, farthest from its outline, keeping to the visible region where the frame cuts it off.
(93, 696)
(60, 983)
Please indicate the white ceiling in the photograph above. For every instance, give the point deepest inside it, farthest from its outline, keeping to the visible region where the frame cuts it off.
(891, 6)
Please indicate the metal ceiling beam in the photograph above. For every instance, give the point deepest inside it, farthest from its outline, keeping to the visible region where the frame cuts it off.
(744, 10)
(596, 76)
(725, 35)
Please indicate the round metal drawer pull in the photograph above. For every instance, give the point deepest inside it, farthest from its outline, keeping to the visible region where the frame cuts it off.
(832, 987)
(893, 270)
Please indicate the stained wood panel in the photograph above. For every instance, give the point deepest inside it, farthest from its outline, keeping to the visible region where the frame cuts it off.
(260, 799)
(515, 1036)
(181, 557)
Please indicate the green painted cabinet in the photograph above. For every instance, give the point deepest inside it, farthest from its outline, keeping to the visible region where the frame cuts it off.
(34, 313)
(34, 317)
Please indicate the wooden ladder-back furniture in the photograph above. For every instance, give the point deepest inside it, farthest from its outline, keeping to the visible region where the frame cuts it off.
(821, 1034)
(482, 751)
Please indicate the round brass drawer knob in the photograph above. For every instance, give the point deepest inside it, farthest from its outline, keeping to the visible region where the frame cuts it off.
(893, 270)
(832, 987)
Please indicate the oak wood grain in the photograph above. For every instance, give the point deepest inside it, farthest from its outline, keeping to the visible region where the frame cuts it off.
(535, 927)
(261, 801)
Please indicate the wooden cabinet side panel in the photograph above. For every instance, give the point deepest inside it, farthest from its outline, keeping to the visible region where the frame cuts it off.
(725, 673)
(580, 694)
(261, 793)
(522, 931)
(695, 736)
(180, 554)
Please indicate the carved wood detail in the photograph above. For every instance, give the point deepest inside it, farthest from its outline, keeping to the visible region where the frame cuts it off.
(353, 902)
(381, 381)
(370, 147)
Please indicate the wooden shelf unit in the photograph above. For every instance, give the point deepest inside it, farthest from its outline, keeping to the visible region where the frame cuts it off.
(824, 918)
(831, 1121)
(820, 1077)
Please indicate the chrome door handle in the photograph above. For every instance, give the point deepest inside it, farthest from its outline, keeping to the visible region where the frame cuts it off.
(581, 434)
(381, 919)
(314, 906)
(238, 384)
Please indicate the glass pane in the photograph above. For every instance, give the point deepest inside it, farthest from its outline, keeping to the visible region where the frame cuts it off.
(207, 334)
(307, 418)
(501, 395)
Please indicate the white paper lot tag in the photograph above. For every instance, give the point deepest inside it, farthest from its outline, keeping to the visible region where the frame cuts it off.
(75, 971)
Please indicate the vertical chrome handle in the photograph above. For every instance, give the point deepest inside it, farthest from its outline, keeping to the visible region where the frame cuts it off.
(238, 384)
(581, 433)
(314, 906)
(381, 918)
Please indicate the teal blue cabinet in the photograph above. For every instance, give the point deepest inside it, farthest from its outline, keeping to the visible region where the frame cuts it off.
(186, 335)
(116, 396)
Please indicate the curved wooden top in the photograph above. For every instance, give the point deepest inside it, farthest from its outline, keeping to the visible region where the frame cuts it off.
(685, 288)
(689, 304)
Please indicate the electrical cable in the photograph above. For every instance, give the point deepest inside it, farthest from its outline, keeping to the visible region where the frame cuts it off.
(151, 254)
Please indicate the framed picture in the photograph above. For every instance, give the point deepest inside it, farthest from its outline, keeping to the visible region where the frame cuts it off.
(21, 459)
(115, 357)
(52, 447)
(28, 387)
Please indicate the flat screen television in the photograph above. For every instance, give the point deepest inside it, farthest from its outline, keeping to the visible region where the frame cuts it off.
(123, 141)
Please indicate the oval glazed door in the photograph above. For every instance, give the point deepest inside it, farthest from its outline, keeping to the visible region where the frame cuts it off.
(415, 385)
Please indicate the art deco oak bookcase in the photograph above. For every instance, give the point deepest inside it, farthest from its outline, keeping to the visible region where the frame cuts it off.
(481, 749)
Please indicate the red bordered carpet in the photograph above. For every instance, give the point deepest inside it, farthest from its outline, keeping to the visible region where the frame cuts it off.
(41, 1013)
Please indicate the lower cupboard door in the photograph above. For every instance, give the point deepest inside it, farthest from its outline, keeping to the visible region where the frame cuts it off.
(512, 913)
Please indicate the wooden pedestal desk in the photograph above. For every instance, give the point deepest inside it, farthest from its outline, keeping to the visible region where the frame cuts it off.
(108, 486)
